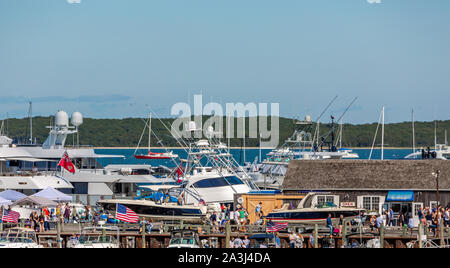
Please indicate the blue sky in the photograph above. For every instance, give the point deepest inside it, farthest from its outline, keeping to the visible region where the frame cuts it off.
(116, 58)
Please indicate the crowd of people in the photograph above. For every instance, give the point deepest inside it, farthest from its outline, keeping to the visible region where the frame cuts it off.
(41, 219)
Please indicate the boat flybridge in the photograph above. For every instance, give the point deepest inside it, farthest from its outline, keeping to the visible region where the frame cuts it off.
(307, 214)
(38, 167)
(211, 173)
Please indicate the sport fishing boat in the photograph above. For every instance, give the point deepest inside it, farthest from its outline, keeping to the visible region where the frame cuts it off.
(19, 238)
(312, 215)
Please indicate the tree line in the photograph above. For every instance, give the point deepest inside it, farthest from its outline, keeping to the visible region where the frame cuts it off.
(126, 132)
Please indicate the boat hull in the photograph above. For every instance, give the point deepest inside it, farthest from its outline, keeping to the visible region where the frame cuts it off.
(312, 216)
(157, 212)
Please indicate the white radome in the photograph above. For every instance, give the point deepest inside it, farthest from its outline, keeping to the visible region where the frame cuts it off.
(77, 119)
(62, 119)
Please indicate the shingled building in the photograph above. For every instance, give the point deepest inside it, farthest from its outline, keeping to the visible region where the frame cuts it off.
(403, 185)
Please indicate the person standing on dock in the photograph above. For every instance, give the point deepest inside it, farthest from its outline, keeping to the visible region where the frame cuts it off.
(330, 224)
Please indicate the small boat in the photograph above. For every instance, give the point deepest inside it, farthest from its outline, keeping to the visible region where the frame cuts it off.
(97, 237)
(19, 238)
(184, 239)
(312, 215)
(152, 155)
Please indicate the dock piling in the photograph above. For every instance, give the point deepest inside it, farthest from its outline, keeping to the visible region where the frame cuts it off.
(420, 231)
(316, 240)
(143, 234)
(227, 234)
(382, 236)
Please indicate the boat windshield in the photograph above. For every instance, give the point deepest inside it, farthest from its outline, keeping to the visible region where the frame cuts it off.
(17, 236)
(94, 239)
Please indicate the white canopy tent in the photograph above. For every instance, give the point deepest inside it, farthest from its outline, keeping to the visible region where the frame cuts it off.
(54, 195)
(4, 202)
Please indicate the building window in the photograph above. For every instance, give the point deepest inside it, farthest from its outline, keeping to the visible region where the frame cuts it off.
(371, 203)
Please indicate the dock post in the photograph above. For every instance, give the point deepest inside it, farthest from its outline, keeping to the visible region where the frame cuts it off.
(58, 234)
(181, 224)
(404, 230)
(420, 231)
(143, 234)
(441, 235)
(316, 236)
(1, 226)
(382, 236)
(227, 234)
(344, 233)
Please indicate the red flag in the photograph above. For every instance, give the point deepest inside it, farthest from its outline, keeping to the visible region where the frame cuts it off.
(67, 163)
(180, 173)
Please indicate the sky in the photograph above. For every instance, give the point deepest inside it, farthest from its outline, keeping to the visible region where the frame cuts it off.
(120, 58)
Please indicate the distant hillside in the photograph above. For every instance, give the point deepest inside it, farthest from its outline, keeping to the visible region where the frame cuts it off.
(126, 132)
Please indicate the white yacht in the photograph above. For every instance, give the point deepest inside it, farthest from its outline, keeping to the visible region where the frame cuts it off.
(36, 167)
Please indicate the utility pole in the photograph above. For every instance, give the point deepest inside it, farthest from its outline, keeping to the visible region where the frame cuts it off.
(436, 174)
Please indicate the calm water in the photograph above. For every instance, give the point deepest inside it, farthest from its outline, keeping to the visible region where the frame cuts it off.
(250, 155)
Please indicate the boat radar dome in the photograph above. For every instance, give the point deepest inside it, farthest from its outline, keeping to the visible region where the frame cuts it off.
(61, 119)
(77, 119)
(308, 118)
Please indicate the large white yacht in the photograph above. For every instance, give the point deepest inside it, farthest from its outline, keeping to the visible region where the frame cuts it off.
(34, 167)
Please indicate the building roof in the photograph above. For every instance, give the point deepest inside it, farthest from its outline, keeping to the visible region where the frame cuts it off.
(366, 175)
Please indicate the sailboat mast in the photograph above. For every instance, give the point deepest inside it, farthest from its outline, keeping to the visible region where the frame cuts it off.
(382, 136)
(30, 114)
(446, 142)
(413, 133)
(149, 131)
(435, 135)
(243, 136)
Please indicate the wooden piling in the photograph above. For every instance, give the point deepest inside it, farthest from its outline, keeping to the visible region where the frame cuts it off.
(143, 234)
(316, 236)
(420, 231)
(382, 236)
(227, 234)
(58, 234)
(441, 235)
(344, 233)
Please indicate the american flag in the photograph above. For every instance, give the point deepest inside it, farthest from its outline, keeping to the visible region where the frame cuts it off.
(275, 227)
(125, 214)
(10, 216)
